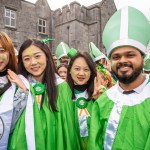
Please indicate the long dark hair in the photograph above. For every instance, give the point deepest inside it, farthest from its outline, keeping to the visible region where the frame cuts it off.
(49, 75)
(90, 83)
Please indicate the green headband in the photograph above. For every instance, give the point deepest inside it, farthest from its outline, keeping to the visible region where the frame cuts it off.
(47, 40)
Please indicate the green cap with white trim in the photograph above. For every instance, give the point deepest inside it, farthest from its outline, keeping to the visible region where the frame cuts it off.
(127, 27)
(147, 63)
(62, 50)
(95, 53)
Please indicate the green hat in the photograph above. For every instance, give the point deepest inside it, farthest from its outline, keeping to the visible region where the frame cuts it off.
(62, 50)
(147, 63)
(95, 53)
(47, 40)
(72, 52)
(127, 27)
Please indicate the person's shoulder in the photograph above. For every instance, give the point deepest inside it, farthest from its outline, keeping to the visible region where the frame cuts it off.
(105, 97)
(59, 80)
(60, 83)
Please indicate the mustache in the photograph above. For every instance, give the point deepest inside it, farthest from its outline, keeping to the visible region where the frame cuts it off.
(123, 65)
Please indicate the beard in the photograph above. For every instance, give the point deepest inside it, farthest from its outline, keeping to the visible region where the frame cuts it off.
(127, 79)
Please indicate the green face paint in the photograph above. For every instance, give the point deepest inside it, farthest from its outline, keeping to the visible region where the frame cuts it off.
(112, 63)
(89, 74)
(30, 52)
(72, 72)
(3, 57)
(40, 62)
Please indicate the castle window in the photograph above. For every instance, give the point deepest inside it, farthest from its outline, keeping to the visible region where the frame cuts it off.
(42, 26)
(10, 18)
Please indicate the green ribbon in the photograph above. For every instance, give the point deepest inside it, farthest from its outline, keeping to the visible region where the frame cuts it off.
(81, 102)
(39, 89)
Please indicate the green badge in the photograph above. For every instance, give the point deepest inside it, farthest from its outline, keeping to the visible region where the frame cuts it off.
(81, 103)
(39, 89)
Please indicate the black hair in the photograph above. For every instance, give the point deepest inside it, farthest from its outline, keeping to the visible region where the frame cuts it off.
(49, 75)
(90, 83)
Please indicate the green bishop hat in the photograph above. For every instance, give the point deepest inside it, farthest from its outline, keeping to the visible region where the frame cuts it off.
(95, 53)
(62, 50)
(127, 27)
(147, 62)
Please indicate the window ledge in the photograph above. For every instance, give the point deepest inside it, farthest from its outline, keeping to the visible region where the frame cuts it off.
(11, 28)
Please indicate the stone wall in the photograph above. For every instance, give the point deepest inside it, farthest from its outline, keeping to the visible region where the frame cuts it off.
(74, 24)
(78, 25)
(27, 19)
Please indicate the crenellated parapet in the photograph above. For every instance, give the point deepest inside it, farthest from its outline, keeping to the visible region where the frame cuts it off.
(74, 11)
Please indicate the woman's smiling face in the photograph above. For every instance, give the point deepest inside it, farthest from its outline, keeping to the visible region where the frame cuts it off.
(34, 60)
(80, 71)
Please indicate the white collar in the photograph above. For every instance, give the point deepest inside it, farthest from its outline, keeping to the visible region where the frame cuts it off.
(139, 88)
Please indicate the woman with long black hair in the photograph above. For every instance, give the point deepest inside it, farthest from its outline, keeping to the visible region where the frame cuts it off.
(85, 85)
(52, 107)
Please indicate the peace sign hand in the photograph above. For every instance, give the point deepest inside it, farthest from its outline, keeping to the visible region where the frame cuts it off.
(97, 86)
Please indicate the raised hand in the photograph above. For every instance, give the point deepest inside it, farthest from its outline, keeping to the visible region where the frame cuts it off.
(13, 77)
(97, 86)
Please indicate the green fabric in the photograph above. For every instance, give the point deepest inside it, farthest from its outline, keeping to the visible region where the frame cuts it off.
(72, 52)
(147, 63)
(137, 30)
(83, 140)
(133, 131)
(53, 130)
(62, 50)
(95, 53)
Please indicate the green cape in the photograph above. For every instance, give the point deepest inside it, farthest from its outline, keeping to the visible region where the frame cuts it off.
(53, 130)
(133, 132)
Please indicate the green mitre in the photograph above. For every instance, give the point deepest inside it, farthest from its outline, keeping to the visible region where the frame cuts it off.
(127, 27)
(62, 50)
(95, 53)
(147, 63)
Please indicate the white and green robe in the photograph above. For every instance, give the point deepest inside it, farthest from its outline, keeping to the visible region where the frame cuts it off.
(82, 120)
(120, 121)
(12, 103)
(52, 130)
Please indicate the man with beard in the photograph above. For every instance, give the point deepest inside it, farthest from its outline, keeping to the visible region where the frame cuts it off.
(121, 116)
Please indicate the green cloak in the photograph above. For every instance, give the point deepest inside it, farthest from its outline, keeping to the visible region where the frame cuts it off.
(126, 129)
(53, 130)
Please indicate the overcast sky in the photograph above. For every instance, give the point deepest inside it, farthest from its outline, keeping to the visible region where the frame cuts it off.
(143, 5)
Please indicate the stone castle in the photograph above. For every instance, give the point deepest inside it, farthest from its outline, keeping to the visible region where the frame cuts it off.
(75, 25)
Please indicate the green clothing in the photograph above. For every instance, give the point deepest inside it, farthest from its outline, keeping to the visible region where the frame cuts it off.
(53, 130)
(121, 122)
(82, 140)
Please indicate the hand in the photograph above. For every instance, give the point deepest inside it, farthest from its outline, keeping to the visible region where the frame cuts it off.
(97, 86)
(13, 77)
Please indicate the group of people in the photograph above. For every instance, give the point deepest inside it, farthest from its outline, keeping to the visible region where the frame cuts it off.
(81, 101)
